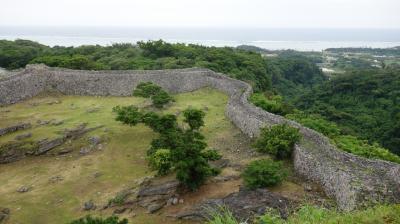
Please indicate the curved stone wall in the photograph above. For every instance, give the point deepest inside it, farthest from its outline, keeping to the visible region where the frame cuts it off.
(353, 181)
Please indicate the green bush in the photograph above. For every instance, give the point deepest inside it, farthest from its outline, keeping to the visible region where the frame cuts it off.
(273, 104)
(119, 199)
(315, 122)
(128, 114)
(359, 147)
(263, 173)
(161, 161)
(278, 140)
(109, 220)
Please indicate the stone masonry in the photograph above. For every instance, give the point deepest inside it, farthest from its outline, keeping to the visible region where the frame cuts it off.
(352, 181)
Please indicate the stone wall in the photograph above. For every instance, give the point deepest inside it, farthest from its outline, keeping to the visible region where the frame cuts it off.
(353, 181)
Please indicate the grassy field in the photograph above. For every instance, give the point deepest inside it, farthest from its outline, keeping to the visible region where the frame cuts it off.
(99, 175)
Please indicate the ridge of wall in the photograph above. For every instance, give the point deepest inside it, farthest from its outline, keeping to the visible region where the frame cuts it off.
(352, 181)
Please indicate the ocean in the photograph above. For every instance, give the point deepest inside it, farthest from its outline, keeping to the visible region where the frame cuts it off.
(273, 39)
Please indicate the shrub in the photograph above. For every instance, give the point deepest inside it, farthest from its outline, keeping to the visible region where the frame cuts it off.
(194, 118)
(359, 147)
(273, 104)
(161, 161)
(278, 140)
(315, 122)
(109, 220)
(128, 115)
(263, 173)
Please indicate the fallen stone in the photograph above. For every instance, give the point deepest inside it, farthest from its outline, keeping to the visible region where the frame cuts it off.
(23, 189)
(155, 207)
(45, 122)
(120, 210)
(94, 140)
(4, 214)
(93, 110)
(23, 136)
(219, 164)
(54, 102)
(65, 151)
(85, 150)
(97, 174)
(56, 179)
(14, 128)
(225, 178)
(244, 205)
(57, 122)
(89, 205)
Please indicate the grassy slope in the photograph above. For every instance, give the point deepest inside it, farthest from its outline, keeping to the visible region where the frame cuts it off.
(121, 161)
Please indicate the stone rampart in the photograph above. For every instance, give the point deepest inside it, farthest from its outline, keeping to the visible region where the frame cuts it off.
(353, 181)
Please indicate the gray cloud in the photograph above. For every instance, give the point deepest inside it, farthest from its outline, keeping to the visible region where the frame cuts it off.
(204, 13)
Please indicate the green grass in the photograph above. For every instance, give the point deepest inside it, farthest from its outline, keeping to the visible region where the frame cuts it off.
(307, 214)
(380, 214)
(121, 162)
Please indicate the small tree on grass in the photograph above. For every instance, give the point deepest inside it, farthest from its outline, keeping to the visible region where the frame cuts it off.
(175, 148)
(263, 173)
(278, 140)
(150, 90)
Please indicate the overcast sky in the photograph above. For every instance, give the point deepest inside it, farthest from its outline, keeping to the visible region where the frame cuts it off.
(200, 13)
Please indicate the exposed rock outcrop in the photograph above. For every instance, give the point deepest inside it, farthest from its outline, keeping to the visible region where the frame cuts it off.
(16, 150)
(353, 181)
(154, 196)
(14, 128)
(244, 205)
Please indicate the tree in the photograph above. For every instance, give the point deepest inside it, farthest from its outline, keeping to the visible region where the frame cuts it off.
(176, 148)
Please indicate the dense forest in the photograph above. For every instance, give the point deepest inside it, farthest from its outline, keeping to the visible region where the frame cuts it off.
(357, 108)
(363, 103)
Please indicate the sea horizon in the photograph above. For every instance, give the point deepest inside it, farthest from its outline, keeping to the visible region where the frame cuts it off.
(306, 39)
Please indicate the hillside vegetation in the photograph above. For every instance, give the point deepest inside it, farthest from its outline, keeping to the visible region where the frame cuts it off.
(363, 103)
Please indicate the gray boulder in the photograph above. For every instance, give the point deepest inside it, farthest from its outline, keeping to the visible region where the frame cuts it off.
(244, 205)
